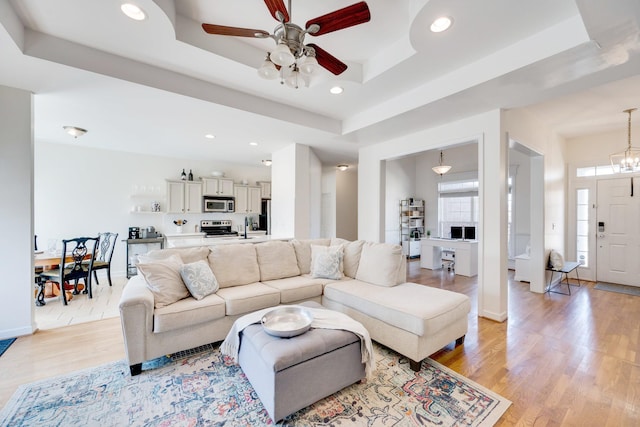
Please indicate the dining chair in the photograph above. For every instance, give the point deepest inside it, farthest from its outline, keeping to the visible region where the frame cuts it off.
(106, 245)
(80, 249)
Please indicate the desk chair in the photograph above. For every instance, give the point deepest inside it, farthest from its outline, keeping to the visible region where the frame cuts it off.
(106, 245)
(80, 248)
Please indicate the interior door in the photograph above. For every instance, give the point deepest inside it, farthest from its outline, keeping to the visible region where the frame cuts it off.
(618, 231)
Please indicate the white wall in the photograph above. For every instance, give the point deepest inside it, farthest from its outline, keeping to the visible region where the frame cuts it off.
(16, 212)
(520, 165)
(83, 191)
(346, 204)
(595, 149)
(400, 184)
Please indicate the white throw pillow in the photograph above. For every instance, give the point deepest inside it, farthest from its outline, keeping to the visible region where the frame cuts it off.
(303, 252)
(277, 260)
(326, 262)
(380, 264)
(351, 259)
(555, 260)
(164, 280)
(199, 279)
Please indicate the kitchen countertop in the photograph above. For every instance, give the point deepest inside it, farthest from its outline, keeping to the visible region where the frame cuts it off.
(185, 240)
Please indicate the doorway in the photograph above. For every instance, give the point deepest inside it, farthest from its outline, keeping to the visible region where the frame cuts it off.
(618, 231)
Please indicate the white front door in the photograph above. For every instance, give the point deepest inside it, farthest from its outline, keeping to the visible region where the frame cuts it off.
(618, 231)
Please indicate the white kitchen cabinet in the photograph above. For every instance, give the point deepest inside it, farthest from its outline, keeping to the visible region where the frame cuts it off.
(221, 187)
(184, 197)
(248, 199)
(265, 189)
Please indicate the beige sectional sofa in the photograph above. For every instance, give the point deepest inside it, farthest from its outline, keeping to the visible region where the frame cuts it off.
(160, 317)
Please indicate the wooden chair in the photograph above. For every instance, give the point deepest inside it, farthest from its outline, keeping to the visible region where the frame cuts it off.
(106, 245)
(79, 248)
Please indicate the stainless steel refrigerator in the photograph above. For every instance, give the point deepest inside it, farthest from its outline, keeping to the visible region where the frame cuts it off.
(264, 220)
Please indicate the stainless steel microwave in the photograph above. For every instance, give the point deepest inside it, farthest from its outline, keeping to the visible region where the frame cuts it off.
(218, 204)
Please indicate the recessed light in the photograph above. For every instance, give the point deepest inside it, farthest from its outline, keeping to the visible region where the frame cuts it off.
(336, 90)
(267, 162)
(253, 143)
(133, 11)
(209, 136)
(74, 131)
(441, 24)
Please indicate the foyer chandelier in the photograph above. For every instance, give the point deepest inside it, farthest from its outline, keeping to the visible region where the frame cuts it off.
(629, 159)
(441, 169)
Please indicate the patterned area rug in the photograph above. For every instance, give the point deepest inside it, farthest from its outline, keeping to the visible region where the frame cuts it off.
(208, 389)
(4, 345)
(621, 289)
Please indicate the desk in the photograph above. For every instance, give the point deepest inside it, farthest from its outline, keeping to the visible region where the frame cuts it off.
(567, 268)
(466, 254)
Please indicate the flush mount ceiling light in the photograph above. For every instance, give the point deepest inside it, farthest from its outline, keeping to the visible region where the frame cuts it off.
(133, 11)
(74, 131)
(292, 60)
(441, 169)
(629, 159)
(253, 144)
(210, 136)
(336, 90)
(343, 167)
(441, 24)
(267, 162)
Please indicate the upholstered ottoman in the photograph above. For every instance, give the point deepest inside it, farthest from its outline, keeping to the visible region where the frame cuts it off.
(289, 374)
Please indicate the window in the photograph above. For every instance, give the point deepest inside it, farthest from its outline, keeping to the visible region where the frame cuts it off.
(582, 226)
(597, 170)
(457, 205)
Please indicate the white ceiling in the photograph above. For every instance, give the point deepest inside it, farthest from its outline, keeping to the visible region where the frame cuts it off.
(159, 85)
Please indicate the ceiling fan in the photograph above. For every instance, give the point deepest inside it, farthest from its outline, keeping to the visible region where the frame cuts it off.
(291, 55)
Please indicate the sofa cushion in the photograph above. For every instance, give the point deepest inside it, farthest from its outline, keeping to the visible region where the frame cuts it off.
(199, 279)
(380, 263)
(277, 260)
(234, 264)
(297, 288)
(351, 255)
(188, 312)
(164, 280)
(326, 262)
(247, 298)
(188, 255)
(403, 306)
(303, 252)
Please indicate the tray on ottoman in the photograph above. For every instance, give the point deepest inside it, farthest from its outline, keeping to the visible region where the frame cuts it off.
(289, 374)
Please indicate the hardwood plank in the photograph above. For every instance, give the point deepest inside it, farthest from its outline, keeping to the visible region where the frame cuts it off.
(561, 360)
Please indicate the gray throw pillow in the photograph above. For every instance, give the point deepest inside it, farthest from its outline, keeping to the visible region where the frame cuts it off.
(326, 262)
(199, 279)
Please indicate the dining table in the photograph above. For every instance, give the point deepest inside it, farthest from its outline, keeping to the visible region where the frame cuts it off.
(49, 260)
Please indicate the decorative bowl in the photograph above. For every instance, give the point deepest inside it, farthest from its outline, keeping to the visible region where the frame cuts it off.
(217, 173)
(287, 322)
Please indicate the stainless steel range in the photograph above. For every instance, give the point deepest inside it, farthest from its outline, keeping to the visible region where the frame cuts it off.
(217, 228)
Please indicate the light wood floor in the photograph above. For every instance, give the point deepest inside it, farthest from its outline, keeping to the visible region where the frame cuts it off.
(562, 360)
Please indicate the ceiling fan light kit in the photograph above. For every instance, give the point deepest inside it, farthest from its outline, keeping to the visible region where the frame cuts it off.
(629, 159)
(291, 57)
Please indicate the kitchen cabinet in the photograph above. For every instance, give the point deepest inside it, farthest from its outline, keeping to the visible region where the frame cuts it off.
(222, 187)
(248, 199)
(265, 189)
(184, 197)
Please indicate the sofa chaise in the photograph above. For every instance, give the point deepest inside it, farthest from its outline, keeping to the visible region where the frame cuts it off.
(161, 315)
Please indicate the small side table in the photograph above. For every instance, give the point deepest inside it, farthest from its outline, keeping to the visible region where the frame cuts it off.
(131, 252)
(567, 268)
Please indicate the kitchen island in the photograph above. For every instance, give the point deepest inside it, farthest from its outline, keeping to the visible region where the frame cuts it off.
(199, 239)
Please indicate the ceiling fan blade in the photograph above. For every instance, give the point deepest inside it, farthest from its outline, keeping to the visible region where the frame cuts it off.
(222, 30)
(328, 61)
(349, 16)
(276, 6)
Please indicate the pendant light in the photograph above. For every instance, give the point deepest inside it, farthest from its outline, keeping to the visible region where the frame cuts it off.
(441, 169)
(629, 159)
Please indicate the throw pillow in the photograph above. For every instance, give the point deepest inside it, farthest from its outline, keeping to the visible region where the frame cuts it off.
(555, 260)
(199, 279)
(277, 260)
(351, 258)
(164, 280)
(380, 264)
(303, 252)
(326, 262)
(235, 264)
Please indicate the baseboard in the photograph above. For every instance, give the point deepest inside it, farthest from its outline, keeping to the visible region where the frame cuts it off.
(498, 317)
(17, 332)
